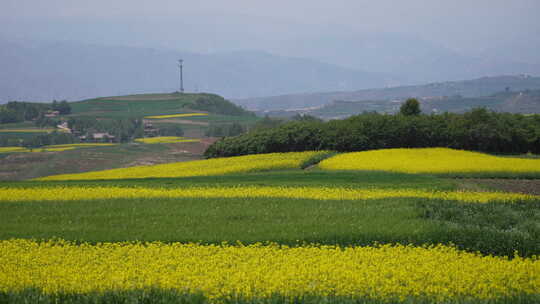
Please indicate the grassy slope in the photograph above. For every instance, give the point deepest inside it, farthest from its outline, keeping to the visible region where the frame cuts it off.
(490, 228)
(136, 106)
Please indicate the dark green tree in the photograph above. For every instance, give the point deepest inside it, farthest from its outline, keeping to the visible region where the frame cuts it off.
(410, 107)
(8, 115)
(171, 130)
(235, 129)
(64, 108)
(32, 143)
(306, 117)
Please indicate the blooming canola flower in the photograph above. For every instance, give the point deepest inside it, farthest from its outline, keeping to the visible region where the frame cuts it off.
(77, 193)
(430, 160)
(165, 140)
(176, 115)
(439, 273)
(215, 166)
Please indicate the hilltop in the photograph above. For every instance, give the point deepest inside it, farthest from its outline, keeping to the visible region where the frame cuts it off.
(141, 105)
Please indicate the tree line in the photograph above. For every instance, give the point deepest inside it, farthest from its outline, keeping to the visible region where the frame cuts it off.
(476, 130)
(120, 130)
(19, 111)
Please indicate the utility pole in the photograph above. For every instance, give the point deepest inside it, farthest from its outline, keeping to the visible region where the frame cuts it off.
(181, 66)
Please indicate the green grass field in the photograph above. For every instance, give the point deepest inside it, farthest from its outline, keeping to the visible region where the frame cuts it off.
(406, 220)
(18, 125)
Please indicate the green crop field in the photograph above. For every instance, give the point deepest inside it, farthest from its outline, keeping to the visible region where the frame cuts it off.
(19, 125)
(228, 223)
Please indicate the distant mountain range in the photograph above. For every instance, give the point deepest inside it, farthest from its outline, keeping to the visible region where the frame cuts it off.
(68, 70)
(348, 61)
(468, 88)
(525, 102)
(410, 58)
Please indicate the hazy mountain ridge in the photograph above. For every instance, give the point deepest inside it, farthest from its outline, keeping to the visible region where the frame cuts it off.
(411, 57)
(467, 88)
(523, 102)
(70, 70)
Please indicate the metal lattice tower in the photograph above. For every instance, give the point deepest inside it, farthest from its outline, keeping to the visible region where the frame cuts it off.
(181, 66)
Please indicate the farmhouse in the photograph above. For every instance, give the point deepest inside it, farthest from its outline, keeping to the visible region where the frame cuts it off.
(50, 114)
(97, 137)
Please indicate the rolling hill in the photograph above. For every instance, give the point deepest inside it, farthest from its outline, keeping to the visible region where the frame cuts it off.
(142, 105)
(525, 102)
(195, 113)
(468, 88)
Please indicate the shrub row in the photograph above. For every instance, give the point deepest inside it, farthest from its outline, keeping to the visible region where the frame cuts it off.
(476, 130)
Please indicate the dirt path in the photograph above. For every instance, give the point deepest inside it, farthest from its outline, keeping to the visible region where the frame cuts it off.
(528, 186)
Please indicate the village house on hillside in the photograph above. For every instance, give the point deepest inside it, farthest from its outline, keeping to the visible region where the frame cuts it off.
(50, 114)
(150, 130)
(64, 127)
(97, 137)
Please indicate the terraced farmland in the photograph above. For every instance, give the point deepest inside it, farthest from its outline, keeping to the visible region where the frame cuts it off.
(261, 229)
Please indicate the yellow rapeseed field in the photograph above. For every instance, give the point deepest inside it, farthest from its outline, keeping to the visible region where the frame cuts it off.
(176, 115)
(13, 149)
(429, 160)
(222, 271)
(165, 140)
(217, 166)
(316, 193)
(40, 149)
(53, 148)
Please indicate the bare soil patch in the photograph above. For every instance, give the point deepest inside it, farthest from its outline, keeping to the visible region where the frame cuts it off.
(527, 186)
(21, 166)
(195, 148)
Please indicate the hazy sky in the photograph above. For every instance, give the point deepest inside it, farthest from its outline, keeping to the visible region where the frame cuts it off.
(470, 26)
(404, 42)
